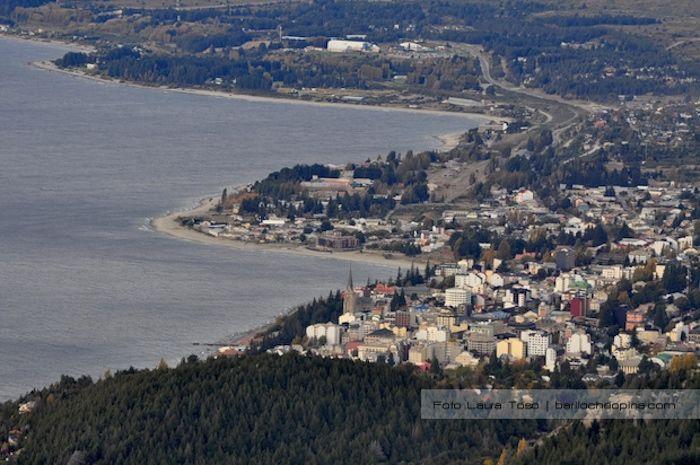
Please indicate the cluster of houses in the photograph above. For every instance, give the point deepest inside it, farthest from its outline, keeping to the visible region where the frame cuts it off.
(546, 307)
(314, 230)
(654, 218)
(487, 313)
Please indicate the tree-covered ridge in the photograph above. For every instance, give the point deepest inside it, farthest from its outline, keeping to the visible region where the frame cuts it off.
(619, 442)
(396, 176)
(263, 409)
(588, 55)
(253, 410)
(257, 69)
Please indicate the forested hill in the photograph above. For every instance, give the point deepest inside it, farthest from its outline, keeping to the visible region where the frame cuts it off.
(659, 442)
(266, 409)
(253, 410)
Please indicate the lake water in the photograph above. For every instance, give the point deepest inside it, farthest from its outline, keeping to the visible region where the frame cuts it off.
(85, 286)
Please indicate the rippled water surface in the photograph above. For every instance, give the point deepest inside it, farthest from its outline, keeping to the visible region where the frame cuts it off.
(85, 286)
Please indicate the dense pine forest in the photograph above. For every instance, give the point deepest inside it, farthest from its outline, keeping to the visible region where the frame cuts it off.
(259, 409)
(265, 409)
(620, 443)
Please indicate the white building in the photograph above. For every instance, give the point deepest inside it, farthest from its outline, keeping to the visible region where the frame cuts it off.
(273, 221)
(579, 343)
(550, 359)
(432, 334)
(678, 332)
(612, 273)
(471, 280)
(495, 279)
(562, 283)
(622, 341)
(454, 297)
(685, 242)
(661, 246)
(537, 342)
(328, 330)
(335, 45)
(412, 47)
(516, 296)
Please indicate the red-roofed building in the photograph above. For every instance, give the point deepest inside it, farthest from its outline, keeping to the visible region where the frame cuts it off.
(423, 366)
(634, 319)
(351, 347)
(385, 289)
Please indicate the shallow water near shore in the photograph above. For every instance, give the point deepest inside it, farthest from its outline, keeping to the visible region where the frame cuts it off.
(85, 285)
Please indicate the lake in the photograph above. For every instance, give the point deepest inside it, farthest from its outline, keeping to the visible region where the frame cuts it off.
(85, 285)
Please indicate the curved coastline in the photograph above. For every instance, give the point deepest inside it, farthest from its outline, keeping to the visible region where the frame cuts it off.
(167, 224)
(480, 117)
(170, 226)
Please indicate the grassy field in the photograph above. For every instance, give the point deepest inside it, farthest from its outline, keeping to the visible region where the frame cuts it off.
(679, 30)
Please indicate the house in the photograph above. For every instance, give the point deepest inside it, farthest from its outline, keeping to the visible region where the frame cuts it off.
(512, 348)
(630, 366)
(524, 195)
(337, 240)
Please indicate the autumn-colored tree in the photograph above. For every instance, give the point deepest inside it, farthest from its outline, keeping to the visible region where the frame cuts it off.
(504, 455)
(683, 363)
(522, 447)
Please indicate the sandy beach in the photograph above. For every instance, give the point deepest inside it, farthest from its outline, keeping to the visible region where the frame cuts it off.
(480, 118)
(169, 225)
(40, 40)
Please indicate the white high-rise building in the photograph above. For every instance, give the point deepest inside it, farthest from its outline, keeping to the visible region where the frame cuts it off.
(328, 330)
(579, 343)
(471, 280)
(454, 297)
(622, 341)
(537, 342)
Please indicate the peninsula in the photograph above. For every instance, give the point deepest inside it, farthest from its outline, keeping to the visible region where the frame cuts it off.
(554, 243)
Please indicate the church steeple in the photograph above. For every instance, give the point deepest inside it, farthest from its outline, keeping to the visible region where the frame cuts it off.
(350, 298)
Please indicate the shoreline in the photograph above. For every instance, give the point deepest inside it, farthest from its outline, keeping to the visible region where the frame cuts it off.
(479, 118)
(169, 225)
(42, 40)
